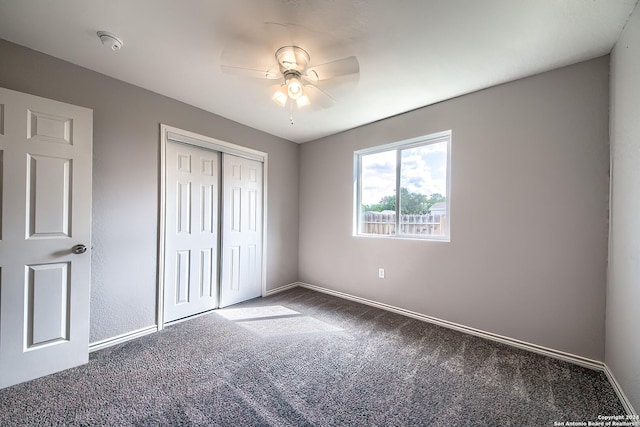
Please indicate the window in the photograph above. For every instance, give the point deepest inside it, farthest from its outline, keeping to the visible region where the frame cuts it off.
(402, 189)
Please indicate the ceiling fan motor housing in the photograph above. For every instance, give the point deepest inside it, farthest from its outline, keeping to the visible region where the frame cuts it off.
(292, 58)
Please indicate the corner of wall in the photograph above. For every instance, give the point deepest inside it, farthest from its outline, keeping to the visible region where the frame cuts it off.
(622, 347)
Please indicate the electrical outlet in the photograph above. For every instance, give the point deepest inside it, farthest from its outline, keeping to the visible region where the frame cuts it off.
(381, 273)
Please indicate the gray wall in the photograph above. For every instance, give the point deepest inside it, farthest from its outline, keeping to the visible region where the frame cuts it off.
(528, 251)
(623, 296)
(126, 181)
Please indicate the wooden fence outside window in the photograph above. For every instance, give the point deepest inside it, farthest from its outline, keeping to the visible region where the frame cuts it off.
(384, 223)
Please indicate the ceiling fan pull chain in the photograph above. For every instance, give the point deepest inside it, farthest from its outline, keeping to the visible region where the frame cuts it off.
(291, 112)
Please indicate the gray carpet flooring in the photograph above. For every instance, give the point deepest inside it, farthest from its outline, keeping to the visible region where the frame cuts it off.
(302, 358)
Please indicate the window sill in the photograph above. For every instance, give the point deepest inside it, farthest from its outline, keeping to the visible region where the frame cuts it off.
(445, 239)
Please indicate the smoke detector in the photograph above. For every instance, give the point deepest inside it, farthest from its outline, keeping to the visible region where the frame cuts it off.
(110, 40)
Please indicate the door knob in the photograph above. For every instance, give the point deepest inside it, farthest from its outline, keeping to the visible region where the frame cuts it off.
(79, 249)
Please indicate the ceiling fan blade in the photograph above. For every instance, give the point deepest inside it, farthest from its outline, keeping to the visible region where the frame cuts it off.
(309, 79)
(329, 70)
(318, 97)
(270, 74)
(249, 59)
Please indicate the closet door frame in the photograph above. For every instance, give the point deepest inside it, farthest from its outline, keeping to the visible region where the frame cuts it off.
(169, 133)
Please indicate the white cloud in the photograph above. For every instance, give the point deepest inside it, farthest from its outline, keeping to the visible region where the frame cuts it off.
(378, 176)
(423, 171)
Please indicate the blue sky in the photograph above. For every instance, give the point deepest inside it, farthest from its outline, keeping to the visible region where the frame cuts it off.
(424, 171)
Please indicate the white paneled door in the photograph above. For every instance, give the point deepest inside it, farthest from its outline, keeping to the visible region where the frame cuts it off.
(45, 226)
(191, 230)
(241, 230)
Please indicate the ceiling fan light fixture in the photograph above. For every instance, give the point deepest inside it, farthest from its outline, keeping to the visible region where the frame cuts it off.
(294, 87)
(280, 96)
(303, 101)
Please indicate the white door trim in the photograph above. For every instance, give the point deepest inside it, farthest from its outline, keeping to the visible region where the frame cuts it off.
(170, 133)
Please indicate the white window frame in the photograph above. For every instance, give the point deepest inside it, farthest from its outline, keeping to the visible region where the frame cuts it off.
(434, 138)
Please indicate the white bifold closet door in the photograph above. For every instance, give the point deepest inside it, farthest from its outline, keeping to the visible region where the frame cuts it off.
(241, 277)
(192, 236)
(45, 236)
(201, 233)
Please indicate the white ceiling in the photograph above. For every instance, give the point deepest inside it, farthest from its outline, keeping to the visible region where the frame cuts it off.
(412, 53)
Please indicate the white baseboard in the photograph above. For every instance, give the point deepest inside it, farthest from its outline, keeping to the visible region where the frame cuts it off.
(568, 357)
(628, 407)
(99, 345)
(281, 289)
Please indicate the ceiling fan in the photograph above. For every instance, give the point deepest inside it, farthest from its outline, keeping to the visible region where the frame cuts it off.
(299, 80)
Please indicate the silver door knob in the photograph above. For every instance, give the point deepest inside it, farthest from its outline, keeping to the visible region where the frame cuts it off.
(79, 249)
